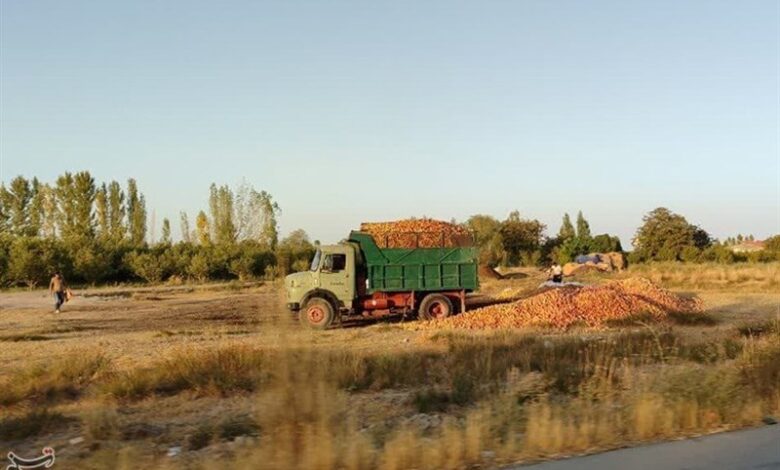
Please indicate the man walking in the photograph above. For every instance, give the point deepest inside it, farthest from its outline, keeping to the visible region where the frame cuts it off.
(57, 289)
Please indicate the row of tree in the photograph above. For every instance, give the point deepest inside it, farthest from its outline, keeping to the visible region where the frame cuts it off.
(74, 208)
(96, 233)
(663, 236)
(739, 239)
(666, 236)
(519, 241)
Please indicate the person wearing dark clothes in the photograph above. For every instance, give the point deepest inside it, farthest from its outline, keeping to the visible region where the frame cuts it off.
(57, 289)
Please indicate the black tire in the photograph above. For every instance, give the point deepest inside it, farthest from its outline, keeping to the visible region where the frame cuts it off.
(435, 307)
(317, 314)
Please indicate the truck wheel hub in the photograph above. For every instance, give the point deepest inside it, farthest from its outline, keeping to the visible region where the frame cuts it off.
(437, 309)
(316, 314)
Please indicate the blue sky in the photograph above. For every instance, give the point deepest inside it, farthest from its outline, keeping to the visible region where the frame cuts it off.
(349, 110)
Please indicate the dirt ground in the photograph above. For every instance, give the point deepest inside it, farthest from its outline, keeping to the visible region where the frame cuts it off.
(136, 326)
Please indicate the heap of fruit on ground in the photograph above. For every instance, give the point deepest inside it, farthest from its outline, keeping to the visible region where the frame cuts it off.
(592, 306)
(417, 233)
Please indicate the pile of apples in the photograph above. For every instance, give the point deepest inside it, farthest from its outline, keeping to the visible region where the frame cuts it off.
(591, 306)
(417, 233)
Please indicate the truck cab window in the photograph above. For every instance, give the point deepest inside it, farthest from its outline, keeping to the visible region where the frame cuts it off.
(334, 262)
(339, 262)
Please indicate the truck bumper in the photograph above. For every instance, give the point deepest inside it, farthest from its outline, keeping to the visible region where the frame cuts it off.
(294, 306)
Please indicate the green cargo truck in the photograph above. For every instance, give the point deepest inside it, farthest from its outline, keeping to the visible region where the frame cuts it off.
(357, 277)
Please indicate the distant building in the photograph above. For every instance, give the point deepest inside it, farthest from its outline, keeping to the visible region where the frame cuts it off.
(747, 246)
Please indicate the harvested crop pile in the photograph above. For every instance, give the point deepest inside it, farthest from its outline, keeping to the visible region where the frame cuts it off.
(593, 306)
(417, 233)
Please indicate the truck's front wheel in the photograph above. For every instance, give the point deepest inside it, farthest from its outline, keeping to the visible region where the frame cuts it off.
(318, 313)
(435, 306)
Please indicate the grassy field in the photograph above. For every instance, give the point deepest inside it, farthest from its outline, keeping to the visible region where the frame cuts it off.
(218, 376)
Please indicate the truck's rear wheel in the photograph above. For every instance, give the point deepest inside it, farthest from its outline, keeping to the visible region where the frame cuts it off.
(435, 307)
(318, 313)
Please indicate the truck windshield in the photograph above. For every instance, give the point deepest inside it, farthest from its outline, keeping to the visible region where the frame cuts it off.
(315, 263)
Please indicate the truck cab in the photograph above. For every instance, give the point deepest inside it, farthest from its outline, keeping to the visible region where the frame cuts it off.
(330, 277)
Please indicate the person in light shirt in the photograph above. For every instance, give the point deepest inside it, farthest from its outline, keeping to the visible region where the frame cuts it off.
(556, 273)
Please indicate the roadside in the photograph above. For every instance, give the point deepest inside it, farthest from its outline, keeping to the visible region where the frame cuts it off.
(739, 450)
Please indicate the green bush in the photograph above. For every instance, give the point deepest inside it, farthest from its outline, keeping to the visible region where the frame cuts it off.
(690, 254)
(531, 258)
(5, 248)
(148, 266)
(763, 256)
(605, 243)
(718, 254)
(32, 260)
(198, 267)
(92, 263)
(772, 243)
(294, 253)
(636, 257)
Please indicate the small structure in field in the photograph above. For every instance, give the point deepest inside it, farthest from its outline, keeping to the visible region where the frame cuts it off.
(748, 246)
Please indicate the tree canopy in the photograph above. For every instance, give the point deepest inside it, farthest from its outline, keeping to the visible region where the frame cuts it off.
(664, 236)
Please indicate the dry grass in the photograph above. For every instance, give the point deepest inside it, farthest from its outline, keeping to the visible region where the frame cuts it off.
(755, 329)
(101, 422)
(31, 423)
(464, 366)
(64, 378)
(747, 277)
(356, 398)
(616, 402)
(222, 370)
(525, 398)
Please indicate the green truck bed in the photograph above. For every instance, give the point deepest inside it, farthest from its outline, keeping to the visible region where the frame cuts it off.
(417, 269)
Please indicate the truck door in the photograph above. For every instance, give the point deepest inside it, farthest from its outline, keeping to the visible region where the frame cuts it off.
(337, 275)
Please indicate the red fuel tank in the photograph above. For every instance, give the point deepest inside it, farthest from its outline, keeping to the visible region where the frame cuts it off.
(376, 304)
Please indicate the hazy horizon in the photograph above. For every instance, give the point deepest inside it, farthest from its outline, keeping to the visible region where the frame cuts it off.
(349, 111)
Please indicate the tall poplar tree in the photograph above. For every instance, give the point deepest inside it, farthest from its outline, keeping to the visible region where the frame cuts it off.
(50, 211)
(203, 229)
(5, 225)
(84, 192)
(36, 211)
(65, 197)
(567, 229)
(184, 226)
(269, 234)
(101, 211)
(136, 214)
(116, 212)
(583, 227)
(17, 202)
(223, 228)
(166, 231)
